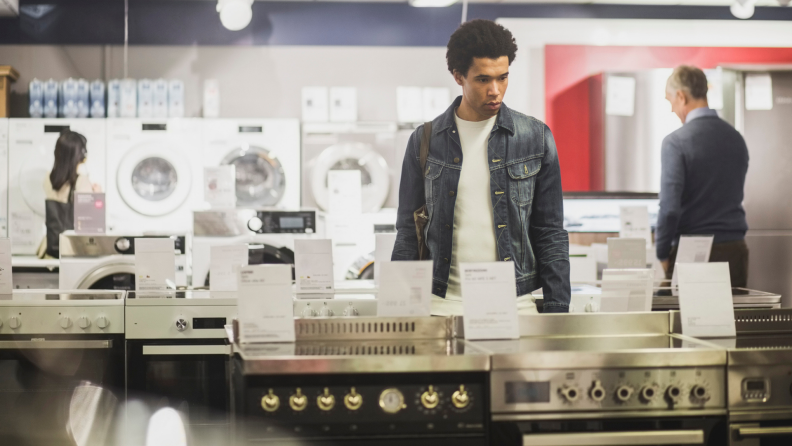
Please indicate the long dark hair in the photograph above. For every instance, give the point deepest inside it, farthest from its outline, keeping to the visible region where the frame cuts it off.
(70, 151)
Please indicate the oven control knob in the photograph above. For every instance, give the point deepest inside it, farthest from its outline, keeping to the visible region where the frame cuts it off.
(102, 322)
(391, 401)
(122, 244)
(65, 322)
(326, 311)
(325, 401)
(648, 393)
(14, 322)
(597, 392)
(430, 399)
(460, 399)
(353, 400)
(298, 401)
(570, 394)
(84, 322)
(699, 393)
(270, 402)
(308, 311)
(255, 224)
(181, 324)
(350, 311)
(624, 393)
(674, 394)
(1, 322)
(592, 307)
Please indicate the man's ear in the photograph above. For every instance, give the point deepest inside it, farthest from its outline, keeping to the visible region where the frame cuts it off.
(459, 78)
(682, 97)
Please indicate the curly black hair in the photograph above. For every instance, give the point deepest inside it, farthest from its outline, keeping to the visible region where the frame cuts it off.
(478, 38)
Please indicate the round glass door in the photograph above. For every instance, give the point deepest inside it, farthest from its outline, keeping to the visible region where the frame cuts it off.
(260, 179)
(154, 179)
(374, 173)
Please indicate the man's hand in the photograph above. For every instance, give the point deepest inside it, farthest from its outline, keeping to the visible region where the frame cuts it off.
(665, 265)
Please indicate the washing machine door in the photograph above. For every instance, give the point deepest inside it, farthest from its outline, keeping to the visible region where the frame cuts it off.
(154, 179)
(374, 174)
(34, 170)
(119, 275)
(260, 179)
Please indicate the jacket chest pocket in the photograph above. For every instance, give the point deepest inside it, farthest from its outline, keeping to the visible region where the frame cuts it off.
(522, 177)
(432, 180)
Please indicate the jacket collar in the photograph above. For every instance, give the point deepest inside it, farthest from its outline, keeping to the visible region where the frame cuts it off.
(446, 120)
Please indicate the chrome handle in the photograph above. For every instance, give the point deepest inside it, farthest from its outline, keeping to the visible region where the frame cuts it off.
(616, 438)
(765, 431)
(21, 345)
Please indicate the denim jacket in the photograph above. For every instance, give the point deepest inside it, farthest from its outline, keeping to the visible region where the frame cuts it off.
(525, 186)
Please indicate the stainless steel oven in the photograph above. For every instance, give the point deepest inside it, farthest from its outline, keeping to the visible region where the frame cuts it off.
(61, 366)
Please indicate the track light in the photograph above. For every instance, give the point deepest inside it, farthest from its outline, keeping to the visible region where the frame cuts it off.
(235, 14)
(743, 9)
(431, 3)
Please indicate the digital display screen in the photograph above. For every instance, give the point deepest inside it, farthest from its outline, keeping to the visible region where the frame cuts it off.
(754, 385)
(291, 222)
(208, 323)
(527, 392)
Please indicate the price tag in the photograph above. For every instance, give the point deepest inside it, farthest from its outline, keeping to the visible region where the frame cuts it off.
(266, 309)
(635, 223)
(220, 187)
(405, 289)
(313, 264)
(89, 213)
(692, 249)
(705, 300)
(383, 250)
(6, 277)
(223, 263)
(155, 264)
(626, 253)
(626, 290)
(345, 194)
(489, 298)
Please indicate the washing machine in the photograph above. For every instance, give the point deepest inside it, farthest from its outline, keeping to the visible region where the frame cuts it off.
(354, 242)
(266, 154)
(107, 262)
(155, 169)
(367, 147)
(3, 177)
(30, 159)
(269, 233)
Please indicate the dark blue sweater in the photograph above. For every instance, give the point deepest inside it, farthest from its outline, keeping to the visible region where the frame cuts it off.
(701, 190)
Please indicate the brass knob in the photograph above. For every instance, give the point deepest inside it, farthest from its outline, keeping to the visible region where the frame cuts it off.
(325, 401)
(353, 400)
(270, 402)
(460, 398)
(430, 399)
(298, 401)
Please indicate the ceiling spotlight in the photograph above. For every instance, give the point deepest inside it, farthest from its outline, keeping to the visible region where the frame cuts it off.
(235, 14)
(743, 9)
(431, 3)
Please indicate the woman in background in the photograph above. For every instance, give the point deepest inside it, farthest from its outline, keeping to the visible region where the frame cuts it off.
(67, 177)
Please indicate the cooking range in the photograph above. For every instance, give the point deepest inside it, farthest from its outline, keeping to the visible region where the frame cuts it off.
(356, 381)
(61, 366)
(605, 379)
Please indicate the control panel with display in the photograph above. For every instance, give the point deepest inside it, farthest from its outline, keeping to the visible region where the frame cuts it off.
(280, 222)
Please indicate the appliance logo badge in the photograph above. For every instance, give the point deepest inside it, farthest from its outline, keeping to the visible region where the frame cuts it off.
(98, 204)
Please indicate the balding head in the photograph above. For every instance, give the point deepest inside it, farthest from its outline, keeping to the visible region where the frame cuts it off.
(686, 90)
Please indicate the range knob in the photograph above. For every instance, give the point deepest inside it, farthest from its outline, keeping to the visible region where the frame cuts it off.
(592, 307)
(460, 399)
(14, 322)
(308, 311)
(325, 401)
(391, 401)
(181, 324)
(1, 322)
(298, 401)
(102, 322)
(65, 322)
(597, 392)
(570, 394)
(83, 322)
(648, 393)
(624, 393)
(350, 311)
(270, 402)
(255, 224)
(430, 399)
(326, 311)
(353, 400)
(122, 244)
(673, 394)
(699, 393)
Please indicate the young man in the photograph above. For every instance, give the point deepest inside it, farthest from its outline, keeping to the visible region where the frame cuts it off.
(702, 180)
(492, 183)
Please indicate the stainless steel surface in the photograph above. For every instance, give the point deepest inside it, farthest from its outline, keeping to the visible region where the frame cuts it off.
(51, 345)
(637, 414)
(222, 223)
(153, 350)
(751, 321)
(372, 328)
(770, 259)
(59, 297)
(750, 299)
(365, 356)
(633, 438)
(74, 245)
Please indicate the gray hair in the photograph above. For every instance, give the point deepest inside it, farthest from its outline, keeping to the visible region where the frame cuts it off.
(690, 80)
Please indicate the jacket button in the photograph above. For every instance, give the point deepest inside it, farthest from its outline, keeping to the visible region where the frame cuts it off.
(456, 160)
(451, 193)
(446, 260)
(448, 226)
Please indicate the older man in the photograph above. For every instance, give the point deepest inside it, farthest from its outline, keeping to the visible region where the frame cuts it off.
(703, 176)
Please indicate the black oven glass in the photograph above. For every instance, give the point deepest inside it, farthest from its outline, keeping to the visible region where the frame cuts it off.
(208, 323)
(754, 385)
(527, 392)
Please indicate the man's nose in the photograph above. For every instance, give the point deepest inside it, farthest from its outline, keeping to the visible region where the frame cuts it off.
(494, 90)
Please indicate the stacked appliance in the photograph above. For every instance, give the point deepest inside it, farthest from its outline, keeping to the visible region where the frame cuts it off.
(269, 233)
(107, 262)
(367, 147)
(30, 160)
(266, 155)
(62, 366)
(157, 174)
(3, 177)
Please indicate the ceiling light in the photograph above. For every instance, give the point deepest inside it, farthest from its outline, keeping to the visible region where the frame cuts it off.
(743, 9)
(235, 14)
(431, 3)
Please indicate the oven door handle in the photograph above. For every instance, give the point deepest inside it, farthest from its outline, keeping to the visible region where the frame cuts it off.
(161, 350)
(757, 432)
(675, 437)
(63, 345)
